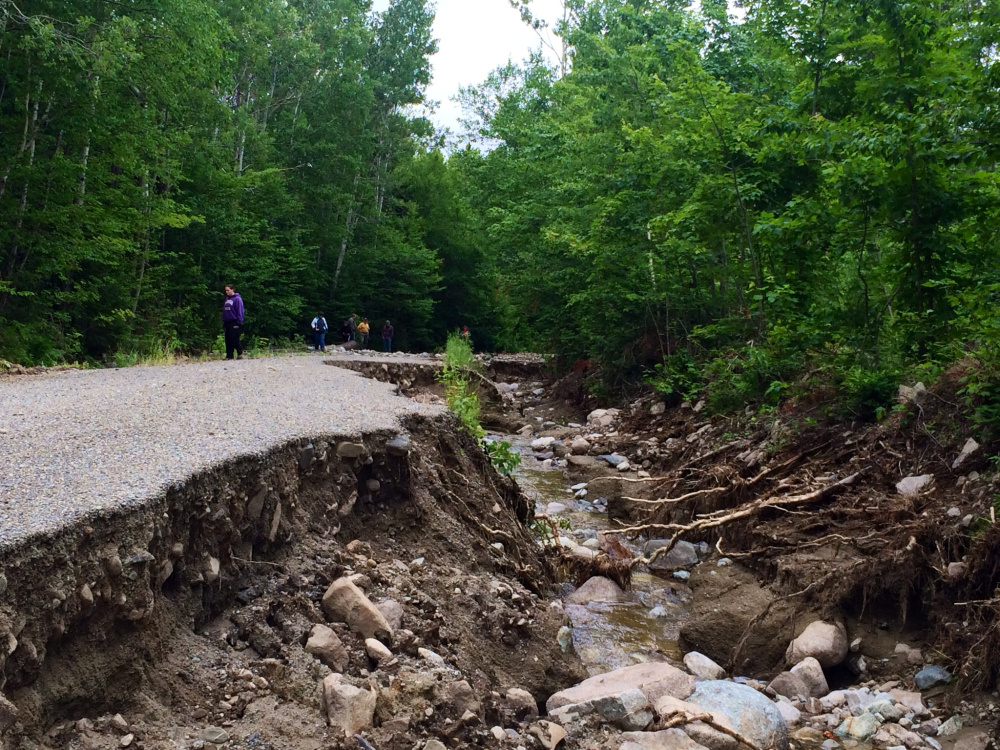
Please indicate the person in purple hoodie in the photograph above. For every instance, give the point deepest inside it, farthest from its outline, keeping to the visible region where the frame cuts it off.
(232, 322)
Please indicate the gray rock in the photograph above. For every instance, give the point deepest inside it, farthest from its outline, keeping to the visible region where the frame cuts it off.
(628, 709)
(346, 707)
(392, 611)
(351, 450)
(789, 685)
(579, 447)
(613, 459)
(377, 651)
(811, 673)
(683, 555)
(929, 677)
(788, 712)
(912, 395)
(522, 705)
(750, 713)
(950, 727)
(824, 641)
(598, 589)
(895, 735)
(345, 602)
(913, 486)
(861, 727)
(399, 445)
(216, 735)
(970, 447)
(681, 575)
(658, 408)
(654, 679)
(702, 667)
(324, 644)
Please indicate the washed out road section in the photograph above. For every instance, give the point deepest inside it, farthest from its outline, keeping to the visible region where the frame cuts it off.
(81, 443)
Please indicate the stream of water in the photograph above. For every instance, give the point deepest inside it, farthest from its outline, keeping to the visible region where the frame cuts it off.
(608, 635)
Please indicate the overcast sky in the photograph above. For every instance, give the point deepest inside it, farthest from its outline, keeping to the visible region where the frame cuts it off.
(475, 37)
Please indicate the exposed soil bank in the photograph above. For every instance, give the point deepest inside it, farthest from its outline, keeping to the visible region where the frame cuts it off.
(194, 610)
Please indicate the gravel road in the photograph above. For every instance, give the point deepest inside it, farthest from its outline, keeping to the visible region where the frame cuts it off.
(80, 442)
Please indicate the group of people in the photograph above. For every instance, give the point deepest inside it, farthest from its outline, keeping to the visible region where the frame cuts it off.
(351, 331)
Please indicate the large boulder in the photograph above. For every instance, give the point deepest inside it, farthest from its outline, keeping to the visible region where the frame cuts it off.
(654, 679)
(598, 589)
(683, 555)
(825, 642)
(749, 712)
(347, 708)
(324, 644)
(345, 602)
(728, 608)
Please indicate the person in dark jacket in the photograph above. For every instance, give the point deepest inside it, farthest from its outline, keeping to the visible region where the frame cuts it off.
(320, 327)
(232, 322)
(345, 330)
(387, 333)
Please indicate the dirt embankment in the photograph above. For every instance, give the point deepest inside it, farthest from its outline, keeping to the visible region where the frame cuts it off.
(186, 623)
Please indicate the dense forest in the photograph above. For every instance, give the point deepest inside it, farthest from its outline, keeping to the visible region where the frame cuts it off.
(741, 199)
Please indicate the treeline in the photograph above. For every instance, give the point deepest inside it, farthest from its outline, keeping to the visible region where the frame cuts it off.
(152, 151)
(809, 190)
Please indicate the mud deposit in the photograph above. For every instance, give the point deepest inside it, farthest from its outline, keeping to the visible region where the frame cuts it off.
(196, 623)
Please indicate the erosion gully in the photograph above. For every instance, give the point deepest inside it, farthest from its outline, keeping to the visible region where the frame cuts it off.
(609, 635)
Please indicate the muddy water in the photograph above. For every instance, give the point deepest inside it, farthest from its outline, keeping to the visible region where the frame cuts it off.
(607, 636)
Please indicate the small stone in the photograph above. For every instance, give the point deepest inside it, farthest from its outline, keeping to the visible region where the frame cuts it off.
(215, 735)
(950, 727)
(682, 575)
(789, 713)
(435, 745)
(929, 677)
(118, 722)
(431, 657)
(377, 651)
(198, 714)
(956, 570)
(810, 672)
(346, 707)
(702, 667)
(350, 450)
(954, 512)
(548, 734)
(970, 447)
(399, 445)
(324, 644)
(861, 727)
(914, 485)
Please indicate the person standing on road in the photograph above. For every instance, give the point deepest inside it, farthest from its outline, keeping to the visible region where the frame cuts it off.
(363, 331)
(232, 322)
(320, 328)
(387, 334)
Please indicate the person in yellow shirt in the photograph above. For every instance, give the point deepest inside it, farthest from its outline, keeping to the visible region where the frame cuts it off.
(363, 329)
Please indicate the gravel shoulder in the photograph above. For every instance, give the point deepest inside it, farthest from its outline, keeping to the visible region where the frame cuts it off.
(79, 443)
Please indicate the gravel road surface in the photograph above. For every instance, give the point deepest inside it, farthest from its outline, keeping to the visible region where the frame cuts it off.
(80, 442)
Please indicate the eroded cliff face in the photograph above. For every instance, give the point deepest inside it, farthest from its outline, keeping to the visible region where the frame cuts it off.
(195, 611)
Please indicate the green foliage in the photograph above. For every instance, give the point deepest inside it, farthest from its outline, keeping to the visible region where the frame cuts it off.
(463, 400)
(724, 206)
(150, 154)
